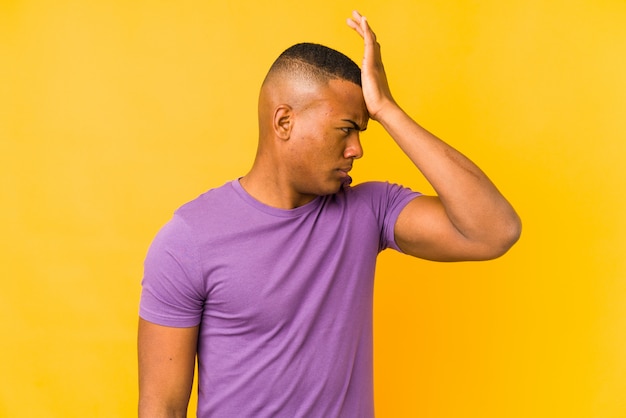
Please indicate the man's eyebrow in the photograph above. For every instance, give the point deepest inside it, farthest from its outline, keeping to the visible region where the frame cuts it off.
(355, 125)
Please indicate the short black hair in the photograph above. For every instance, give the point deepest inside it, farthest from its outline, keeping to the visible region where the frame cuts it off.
(318, 62)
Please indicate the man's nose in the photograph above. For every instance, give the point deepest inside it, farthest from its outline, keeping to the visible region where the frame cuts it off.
(353, 148)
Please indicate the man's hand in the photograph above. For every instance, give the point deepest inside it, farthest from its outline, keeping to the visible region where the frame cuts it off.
(373, 78)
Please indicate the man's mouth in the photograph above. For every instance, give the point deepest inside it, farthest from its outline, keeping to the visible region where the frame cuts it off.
(345, 170)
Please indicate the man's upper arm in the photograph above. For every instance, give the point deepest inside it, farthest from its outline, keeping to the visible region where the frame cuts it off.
(423, 229)
(166, 368)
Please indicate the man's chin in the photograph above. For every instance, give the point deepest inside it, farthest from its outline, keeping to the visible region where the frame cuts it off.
(343, 183)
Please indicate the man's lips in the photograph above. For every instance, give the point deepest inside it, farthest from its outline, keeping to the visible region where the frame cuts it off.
(345, 170)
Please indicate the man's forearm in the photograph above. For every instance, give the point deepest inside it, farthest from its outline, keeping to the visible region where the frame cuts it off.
(472, 202)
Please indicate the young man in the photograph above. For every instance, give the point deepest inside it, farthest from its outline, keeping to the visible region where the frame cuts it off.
(268, 279)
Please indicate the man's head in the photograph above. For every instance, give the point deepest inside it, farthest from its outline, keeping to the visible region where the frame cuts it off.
(316, 62)
(311, 110)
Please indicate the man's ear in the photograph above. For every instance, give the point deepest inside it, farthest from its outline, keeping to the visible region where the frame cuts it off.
(283, 121)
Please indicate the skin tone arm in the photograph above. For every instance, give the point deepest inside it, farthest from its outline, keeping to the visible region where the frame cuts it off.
(166, 367)
(468, 219)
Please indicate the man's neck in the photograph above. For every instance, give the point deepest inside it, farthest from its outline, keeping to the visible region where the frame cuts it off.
(272, 192)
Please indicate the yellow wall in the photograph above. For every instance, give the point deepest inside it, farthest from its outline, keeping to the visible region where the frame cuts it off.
(113, 113)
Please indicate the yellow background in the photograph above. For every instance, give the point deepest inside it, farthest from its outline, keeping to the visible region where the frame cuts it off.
(113, 113)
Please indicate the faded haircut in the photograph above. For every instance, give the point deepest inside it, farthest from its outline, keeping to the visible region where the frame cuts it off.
(316, 62)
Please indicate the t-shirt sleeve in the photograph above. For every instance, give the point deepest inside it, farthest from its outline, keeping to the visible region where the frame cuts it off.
(172, 292)
(387, 201)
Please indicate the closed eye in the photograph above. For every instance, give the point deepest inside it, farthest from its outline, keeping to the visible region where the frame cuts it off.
(355, 126)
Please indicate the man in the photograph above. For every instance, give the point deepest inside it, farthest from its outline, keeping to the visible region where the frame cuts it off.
(268, 279)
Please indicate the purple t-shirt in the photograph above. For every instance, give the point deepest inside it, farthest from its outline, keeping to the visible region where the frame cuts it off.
(283, 297)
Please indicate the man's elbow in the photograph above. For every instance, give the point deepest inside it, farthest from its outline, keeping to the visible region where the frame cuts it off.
(508, 234)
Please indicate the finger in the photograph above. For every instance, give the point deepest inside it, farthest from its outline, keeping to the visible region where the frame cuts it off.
(361, 21)
(368, 33)
(354, 25)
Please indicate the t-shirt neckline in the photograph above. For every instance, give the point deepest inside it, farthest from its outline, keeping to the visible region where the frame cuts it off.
(270, 210)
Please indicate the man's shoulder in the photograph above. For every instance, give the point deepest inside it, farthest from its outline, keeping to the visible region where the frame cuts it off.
(380, 194)
(211, 201)
(376, 189)
(371, 186)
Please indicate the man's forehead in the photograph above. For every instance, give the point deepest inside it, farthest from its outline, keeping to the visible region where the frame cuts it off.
(350, 95)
